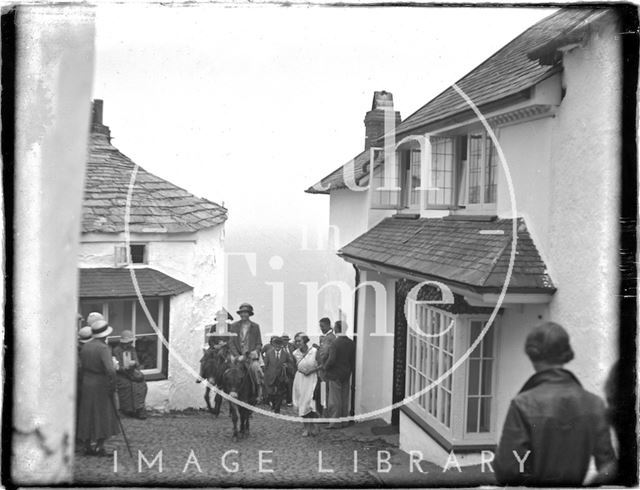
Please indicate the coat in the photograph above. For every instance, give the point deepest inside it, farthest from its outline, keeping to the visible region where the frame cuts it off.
(253, 339)
(97, 417)
(340, 362)
(323, 351)
(273, 367)
(562, 424)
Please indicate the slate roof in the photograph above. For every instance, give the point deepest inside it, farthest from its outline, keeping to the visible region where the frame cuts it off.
(111, 282)
(335, 180)
(454, 250)
(156, 204)
(509, 72)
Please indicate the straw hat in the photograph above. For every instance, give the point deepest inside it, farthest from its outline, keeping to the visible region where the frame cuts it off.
(100, 329)
(84, 335)
(127, 337)
(94, 317)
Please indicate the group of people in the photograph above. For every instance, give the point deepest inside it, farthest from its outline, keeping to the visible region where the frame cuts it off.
(108, 380)
(315, 379)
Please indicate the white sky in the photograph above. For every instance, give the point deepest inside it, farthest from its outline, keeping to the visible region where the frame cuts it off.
(252, 105)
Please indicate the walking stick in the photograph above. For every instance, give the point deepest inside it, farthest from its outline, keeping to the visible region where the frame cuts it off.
(126, 441)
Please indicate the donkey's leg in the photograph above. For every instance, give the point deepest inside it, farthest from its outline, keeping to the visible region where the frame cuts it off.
(233, 410)
(217, 405)
(207, 391)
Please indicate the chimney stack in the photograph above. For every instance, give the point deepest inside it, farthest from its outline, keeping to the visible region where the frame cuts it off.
(374, 119)
(96, 120)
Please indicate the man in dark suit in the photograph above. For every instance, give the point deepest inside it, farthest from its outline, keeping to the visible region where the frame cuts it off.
(326, 339)
(278, 368)
(246, 344)
(338, 368)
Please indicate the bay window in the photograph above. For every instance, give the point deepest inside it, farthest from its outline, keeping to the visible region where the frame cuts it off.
(460, 408)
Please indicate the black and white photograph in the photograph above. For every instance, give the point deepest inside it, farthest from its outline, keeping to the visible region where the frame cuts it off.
(255, 244)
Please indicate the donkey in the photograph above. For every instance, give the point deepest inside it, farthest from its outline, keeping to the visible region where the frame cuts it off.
(237, 383)
(213, 366)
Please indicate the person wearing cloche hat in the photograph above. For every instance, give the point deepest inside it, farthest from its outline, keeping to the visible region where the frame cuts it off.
(84, 335)
(130, 382)
(97, 418)
(246, 345)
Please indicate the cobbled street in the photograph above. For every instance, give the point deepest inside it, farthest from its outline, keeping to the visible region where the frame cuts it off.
(294, 460)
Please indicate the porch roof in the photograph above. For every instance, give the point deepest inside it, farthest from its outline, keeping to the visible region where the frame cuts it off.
(468, 253)
(107, 282)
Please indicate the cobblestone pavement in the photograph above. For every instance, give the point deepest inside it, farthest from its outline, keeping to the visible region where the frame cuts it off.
(294, 459)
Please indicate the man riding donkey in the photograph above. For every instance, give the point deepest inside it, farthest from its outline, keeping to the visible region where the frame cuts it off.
(245, 346)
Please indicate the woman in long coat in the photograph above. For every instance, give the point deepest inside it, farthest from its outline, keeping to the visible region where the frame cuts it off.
(132, 388)
(97, 420)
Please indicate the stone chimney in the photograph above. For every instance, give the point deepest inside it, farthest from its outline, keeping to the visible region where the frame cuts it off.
(374, 119)
(96, 120)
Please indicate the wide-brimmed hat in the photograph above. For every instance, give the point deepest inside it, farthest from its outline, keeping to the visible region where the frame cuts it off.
(285, 337)
(126, 337)
(245, 307)
(100, 329)
(93, 317)
(84, 335)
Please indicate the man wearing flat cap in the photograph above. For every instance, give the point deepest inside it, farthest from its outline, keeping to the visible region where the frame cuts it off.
(246, 344)
(553, 426)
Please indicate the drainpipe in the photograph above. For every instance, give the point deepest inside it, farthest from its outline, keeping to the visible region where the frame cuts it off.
(355, 340)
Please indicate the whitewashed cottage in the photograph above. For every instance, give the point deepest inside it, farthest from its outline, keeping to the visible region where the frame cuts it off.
(552, 97)
(176, 248)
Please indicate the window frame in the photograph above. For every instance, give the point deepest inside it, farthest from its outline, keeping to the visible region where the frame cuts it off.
(161, 370)
(481, 205)
(456, 433)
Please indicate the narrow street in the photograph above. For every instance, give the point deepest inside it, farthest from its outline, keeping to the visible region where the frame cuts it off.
(294, 459)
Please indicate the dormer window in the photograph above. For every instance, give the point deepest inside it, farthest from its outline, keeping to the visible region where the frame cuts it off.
(137, 254)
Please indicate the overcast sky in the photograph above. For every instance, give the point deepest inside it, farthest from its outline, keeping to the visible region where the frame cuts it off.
(252, 105)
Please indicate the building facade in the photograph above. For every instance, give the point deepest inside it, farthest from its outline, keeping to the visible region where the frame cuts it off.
(444, 299)
(167, 246)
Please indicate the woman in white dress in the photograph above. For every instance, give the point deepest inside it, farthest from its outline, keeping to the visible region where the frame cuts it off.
(305, 381)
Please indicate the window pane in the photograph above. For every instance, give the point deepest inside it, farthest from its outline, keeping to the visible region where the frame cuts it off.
(476, 328)
(120, 316)
(472, 415)
(386, 198)
(490, 186)
(147, 349)
(474, 376)
(87, 307)
(485, 415)
(487, 343)
(142, 322)
(475, 166)
(487, 366)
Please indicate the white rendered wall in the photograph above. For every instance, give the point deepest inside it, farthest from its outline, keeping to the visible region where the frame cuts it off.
(196, 259)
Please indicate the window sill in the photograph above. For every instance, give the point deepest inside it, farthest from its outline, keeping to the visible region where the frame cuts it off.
(446, 444)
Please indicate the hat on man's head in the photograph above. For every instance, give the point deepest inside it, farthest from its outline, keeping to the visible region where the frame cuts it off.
(100, 329)
(84, 335)
(548, 342)
(126, 337)
(93, 317)
(246, 307)
(285, 337)
(277, 341)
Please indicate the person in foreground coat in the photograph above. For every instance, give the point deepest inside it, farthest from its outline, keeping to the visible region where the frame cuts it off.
(97, 419)
(553, 425)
